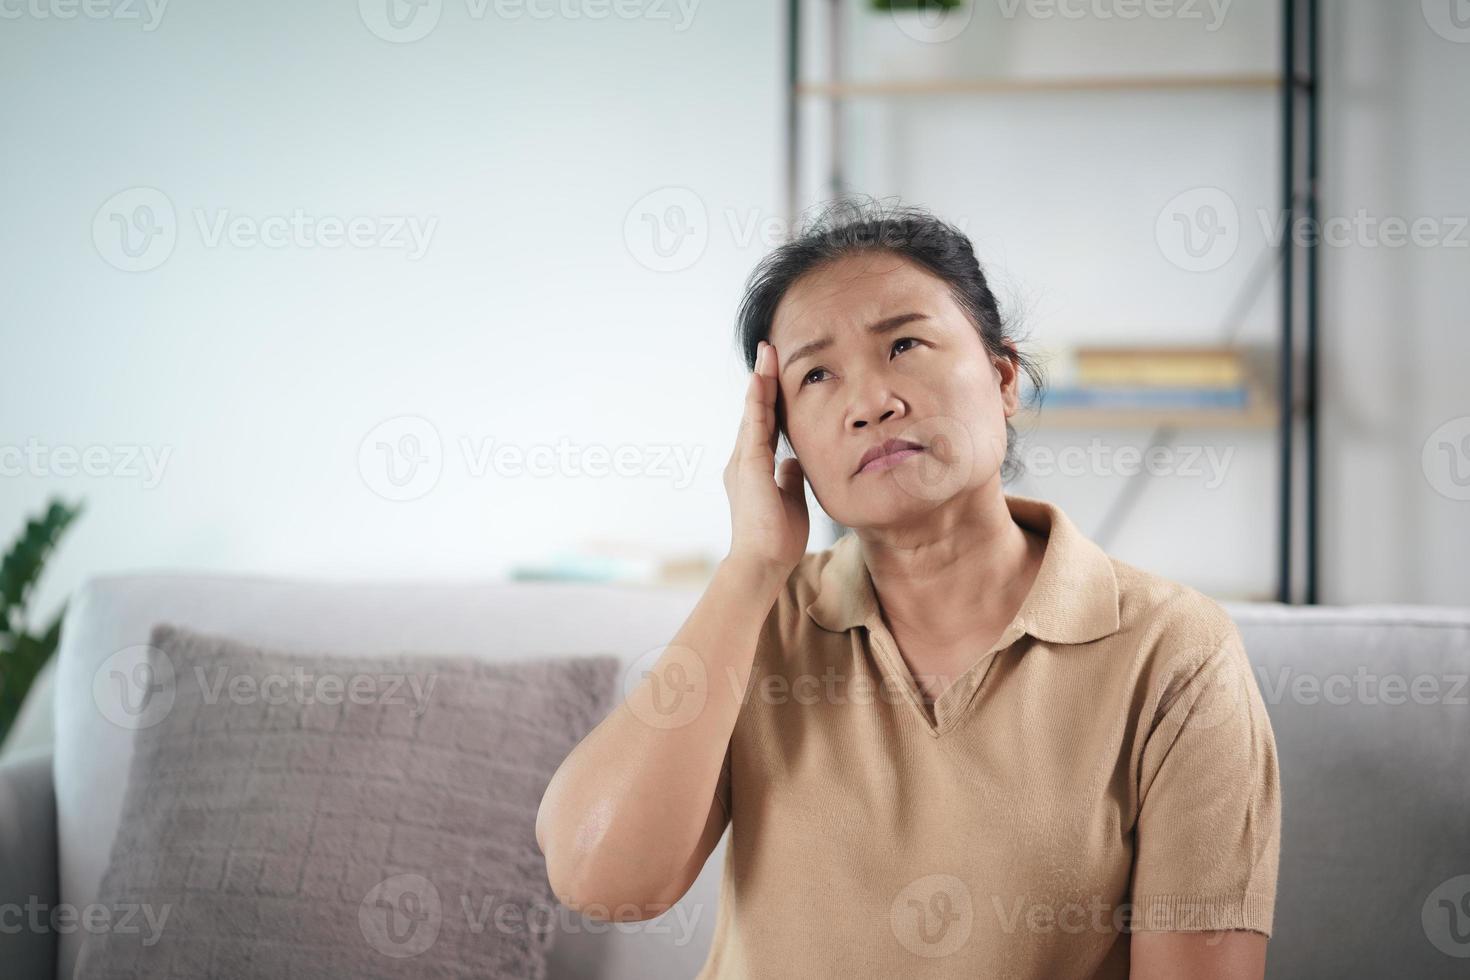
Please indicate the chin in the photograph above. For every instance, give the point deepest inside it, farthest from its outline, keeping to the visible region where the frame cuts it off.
(883, 503)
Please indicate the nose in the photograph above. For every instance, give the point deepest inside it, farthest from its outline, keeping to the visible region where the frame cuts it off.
(884, 406)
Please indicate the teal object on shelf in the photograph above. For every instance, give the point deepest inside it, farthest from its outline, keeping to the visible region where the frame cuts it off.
(1152, 397)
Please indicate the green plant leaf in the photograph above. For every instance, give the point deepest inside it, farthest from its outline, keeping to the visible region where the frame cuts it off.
(23, 563)
(22, 655)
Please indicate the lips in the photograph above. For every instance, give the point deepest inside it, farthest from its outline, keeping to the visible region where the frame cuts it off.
(888, 453)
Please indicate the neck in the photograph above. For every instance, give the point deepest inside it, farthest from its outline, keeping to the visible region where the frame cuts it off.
(966, 567)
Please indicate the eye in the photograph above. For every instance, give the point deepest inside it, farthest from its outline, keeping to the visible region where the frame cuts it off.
(809, 381)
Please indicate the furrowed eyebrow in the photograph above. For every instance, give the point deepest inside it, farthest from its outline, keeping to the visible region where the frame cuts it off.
(875, 329)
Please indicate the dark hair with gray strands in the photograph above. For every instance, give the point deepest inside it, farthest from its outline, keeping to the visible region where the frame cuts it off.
(855, 225)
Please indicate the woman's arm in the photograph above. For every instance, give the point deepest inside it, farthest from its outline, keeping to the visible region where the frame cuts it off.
(1235, 954)
(631, 815)
(621, 818)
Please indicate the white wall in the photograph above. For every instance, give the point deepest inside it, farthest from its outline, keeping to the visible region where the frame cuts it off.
(534, 315)
(261, 370)
(1398, 131)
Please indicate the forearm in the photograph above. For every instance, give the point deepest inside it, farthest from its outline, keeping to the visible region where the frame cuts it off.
(624, 812)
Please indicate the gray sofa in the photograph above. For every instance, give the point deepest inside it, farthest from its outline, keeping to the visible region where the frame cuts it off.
(1368, 705)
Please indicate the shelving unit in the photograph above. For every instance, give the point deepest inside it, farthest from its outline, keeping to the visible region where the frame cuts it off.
(1296, 82)
(999, 86)
(1260, 413)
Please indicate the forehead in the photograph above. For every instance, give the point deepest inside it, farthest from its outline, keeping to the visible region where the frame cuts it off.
(856, 290)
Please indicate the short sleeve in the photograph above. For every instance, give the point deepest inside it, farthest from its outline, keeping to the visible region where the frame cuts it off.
(722, 786)
(1209, 823)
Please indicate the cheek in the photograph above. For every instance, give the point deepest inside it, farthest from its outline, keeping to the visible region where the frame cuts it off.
(972, 392)
(972, 398)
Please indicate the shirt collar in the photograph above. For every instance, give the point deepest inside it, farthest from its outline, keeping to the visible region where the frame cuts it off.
(1074, 598)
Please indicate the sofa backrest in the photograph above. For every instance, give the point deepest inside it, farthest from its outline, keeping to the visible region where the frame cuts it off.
(497, 620)
(1368, 705)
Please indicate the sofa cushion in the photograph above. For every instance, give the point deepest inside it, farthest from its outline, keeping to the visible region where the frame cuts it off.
(490, 619)
(305, 814)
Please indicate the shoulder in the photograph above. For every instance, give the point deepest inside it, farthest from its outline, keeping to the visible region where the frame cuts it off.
(1175, 630)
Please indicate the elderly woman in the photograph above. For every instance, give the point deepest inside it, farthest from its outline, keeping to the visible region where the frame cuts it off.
(963, 741)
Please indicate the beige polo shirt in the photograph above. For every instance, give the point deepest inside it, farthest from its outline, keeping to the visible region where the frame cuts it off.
(1107, 765)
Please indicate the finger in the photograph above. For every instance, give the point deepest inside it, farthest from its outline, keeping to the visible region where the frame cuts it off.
(755, 424)
(789, 478)
(772, 389)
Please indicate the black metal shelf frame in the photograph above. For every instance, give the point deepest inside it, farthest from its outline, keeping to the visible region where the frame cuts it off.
(1300, 96)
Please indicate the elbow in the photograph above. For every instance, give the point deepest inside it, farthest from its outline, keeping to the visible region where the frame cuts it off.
(594, 900)
(600, 897)
(558, 875)
(586, 885)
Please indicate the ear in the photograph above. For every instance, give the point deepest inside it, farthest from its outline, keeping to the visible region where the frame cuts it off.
(1010, 380)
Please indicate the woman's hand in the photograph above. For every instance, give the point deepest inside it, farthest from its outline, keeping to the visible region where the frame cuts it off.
(768, 517)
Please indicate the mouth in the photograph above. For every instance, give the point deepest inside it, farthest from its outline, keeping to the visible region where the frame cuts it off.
(887, 455)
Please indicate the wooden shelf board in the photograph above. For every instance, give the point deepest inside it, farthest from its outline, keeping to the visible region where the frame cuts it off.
(1259, 413)
(1093, 83)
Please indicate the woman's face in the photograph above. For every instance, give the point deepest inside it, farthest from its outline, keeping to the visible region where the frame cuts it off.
(925, 376)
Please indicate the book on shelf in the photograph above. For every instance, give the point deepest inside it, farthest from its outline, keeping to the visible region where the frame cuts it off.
(1139, 365)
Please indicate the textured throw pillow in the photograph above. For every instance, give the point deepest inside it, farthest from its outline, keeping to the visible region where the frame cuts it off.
(298, 815)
